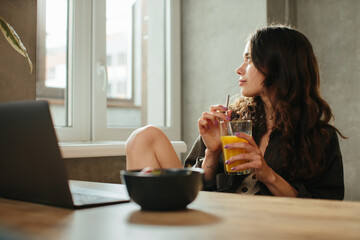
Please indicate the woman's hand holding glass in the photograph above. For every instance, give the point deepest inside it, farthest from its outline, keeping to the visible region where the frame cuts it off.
(208, 126)
(254, 157)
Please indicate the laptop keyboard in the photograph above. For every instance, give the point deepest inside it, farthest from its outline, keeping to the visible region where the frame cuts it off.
(82, 199)
(84, 196)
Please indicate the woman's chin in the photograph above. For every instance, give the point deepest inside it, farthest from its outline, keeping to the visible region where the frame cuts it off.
(246, 93)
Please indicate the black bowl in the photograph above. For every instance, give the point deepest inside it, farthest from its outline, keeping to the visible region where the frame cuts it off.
(163, 189)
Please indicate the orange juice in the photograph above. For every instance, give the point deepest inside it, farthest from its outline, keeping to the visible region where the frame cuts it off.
(228, 153)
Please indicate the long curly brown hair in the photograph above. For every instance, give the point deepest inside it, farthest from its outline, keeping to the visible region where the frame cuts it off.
(286, 58)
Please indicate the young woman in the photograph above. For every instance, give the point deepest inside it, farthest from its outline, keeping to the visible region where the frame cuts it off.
(293, 150)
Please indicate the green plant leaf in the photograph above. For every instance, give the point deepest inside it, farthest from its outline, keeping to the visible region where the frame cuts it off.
(14, 40)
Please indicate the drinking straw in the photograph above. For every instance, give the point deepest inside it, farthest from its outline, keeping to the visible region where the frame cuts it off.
(228, 125)
(227, 101)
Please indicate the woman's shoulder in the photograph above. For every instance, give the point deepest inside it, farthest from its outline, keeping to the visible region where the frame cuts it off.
(331, 140)
(330, 130)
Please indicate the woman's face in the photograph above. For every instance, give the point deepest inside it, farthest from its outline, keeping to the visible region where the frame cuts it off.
(251, 80)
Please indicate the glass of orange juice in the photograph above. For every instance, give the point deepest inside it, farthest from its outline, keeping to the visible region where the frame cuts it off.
(227, 135)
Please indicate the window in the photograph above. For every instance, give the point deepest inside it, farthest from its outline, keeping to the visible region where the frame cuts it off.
(109, 67)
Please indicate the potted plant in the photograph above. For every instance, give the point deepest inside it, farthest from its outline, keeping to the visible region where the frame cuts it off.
(14, 40)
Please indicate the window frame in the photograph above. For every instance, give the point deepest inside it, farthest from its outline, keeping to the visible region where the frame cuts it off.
(85, 122)
(79, 44)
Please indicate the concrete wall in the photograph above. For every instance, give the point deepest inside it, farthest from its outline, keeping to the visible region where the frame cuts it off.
(214, 35)
(334, 29)
(15, 81)
(102, 169)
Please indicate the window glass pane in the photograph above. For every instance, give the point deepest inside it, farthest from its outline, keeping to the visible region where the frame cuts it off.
(118, 48)
(52, 57)
(121, 107)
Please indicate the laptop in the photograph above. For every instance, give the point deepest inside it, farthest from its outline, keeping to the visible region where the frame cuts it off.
(31, 166)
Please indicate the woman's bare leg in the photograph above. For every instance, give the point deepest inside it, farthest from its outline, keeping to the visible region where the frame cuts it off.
(150, 147)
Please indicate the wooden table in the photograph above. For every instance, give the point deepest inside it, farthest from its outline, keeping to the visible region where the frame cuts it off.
(210, 216)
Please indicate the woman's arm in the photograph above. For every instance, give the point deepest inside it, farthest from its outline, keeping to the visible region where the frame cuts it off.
(328, 184)
(210, 164)
(197, 157)
(206, 151)
(209, 130)
(277, 185)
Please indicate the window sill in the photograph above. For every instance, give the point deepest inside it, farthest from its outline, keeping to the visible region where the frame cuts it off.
(103, 149)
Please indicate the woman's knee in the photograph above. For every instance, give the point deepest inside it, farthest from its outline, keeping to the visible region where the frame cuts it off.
(143, 136)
